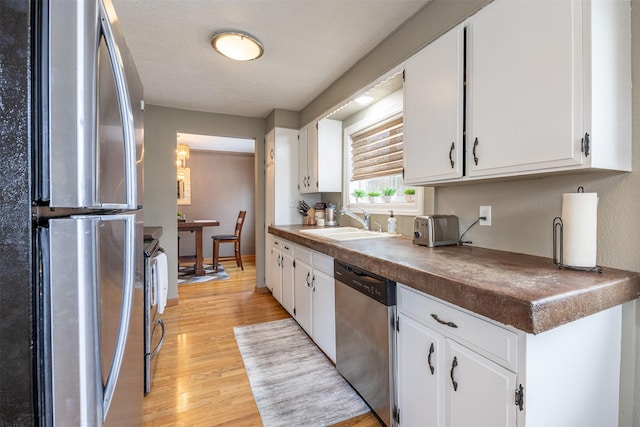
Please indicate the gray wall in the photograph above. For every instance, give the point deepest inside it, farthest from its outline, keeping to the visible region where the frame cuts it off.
(221, 185)
(160, 204)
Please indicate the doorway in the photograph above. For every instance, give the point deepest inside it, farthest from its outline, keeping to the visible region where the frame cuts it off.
(221, 182)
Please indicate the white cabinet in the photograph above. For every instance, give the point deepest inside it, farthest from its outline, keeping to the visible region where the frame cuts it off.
(444, 381)
(314, 307)
(481, 392)
(523, 115)
(458, 369)
(281, 184)
(303, 284)
(323, 303)
(287, 265)
(421, 374)
(320, 157)
(537, 101)
(273, 268)
(279, 271)
(434, 110)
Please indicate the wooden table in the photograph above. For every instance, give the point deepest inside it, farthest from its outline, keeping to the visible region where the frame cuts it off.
(197, 226)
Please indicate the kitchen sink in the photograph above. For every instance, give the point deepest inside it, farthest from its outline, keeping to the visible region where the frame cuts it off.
(343, 234)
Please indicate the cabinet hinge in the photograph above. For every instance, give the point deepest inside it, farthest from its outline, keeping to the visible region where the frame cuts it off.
(294, 263)
(396, 415)
(402, 75)
(294, 311)
(519, 400)
(397, 324)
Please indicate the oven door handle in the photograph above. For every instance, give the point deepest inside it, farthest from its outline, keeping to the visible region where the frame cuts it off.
(159, 345)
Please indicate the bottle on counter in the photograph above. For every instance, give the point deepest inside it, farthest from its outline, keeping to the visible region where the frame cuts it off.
(392, 224)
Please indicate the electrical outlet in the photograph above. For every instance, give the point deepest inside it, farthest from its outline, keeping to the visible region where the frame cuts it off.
(485, 211)
(293, 203)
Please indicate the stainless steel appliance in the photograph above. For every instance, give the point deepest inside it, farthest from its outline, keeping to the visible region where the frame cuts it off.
(436, 230)
(153, 324)
(365, 336)
(81, 166)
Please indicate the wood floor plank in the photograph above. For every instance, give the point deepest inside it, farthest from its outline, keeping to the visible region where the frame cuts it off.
(200, 380)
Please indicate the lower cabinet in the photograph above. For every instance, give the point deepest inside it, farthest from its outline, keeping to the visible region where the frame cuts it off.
(315, 298)
(301, 280)
(444, 383)
(456, 368)
(279, 272)
(323, 305)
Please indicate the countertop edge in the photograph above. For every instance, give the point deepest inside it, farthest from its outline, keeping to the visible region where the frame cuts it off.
(528, 315)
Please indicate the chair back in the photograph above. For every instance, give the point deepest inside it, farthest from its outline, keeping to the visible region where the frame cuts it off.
(240, 223)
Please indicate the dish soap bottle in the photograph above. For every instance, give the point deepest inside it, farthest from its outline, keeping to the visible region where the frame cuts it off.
(392, 224)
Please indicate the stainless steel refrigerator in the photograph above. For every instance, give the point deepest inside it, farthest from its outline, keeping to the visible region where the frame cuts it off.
(83, 169)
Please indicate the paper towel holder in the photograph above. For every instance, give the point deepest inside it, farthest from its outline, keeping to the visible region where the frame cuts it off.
(558, 247)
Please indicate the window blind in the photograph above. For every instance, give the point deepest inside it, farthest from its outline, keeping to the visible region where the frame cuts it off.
(377, 151)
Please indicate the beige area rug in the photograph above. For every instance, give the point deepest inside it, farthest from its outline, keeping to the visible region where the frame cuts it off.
(292, 381)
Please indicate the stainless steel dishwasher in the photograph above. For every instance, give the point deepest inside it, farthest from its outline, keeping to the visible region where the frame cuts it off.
(365, 336)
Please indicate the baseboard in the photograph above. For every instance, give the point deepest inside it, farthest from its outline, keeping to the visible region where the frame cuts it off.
(171, 302)
(262, 290)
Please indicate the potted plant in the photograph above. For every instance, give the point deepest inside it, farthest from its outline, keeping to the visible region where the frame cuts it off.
(409, 193)
(388, 193)
(358, 194)
(373, 195)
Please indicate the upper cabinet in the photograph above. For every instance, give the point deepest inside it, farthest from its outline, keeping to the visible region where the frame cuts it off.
(433, 110)
(320, 157)
(548, 89)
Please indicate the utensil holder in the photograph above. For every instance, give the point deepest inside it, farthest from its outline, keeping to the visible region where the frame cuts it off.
(558, 247)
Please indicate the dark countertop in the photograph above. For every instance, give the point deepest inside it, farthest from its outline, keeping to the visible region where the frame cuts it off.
(151, 232)
(524, 291)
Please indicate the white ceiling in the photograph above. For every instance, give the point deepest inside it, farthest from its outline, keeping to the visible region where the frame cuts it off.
(308, 45)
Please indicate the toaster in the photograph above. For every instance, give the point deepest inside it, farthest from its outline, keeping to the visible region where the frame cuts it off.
(435, 230)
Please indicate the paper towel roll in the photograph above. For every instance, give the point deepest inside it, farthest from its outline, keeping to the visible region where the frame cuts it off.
(580, 229)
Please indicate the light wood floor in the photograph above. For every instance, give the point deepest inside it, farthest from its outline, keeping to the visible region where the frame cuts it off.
(200, 378)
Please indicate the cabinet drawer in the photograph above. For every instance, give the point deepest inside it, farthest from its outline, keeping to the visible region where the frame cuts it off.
(285, 246)
(489, 339)
(303, 254)
(323, 263)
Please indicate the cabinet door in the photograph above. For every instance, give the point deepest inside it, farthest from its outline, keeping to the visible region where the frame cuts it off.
(303, 149)
(270, 147)
(421, 375)
(312, 157)
(274, 271)
(479, 392)
(287, 282)
(524, 81)
(324, 313)
(328, 156)
(433, 111)
(285, 179)
(302, 295)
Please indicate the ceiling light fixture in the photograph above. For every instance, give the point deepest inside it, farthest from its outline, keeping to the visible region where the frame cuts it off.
(364, 99)
(182, 155)
(237, 45)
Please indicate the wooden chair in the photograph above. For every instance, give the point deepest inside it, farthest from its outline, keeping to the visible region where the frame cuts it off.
(229, 238)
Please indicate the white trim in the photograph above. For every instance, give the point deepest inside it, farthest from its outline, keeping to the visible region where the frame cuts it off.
(386, 109)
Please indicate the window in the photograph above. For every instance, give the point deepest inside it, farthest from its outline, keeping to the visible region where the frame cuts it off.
(374, 163)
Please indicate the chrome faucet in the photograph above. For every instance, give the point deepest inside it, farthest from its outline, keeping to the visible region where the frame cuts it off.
(364, 222)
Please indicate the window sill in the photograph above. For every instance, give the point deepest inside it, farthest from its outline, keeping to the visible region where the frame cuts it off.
(399, 209)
